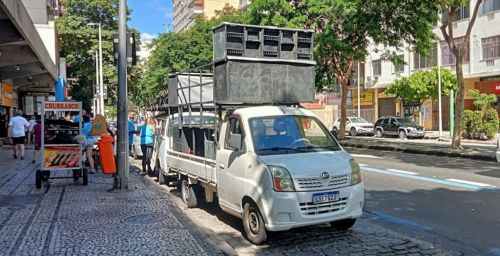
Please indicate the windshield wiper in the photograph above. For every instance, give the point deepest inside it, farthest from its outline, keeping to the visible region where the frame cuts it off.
(276, 148)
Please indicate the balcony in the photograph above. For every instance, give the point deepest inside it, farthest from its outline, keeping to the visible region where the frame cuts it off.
(195, 12)
(192, 3)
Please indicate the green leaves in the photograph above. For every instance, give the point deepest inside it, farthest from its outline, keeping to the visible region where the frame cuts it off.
(423, 85)
(175, 52)
(79, 43)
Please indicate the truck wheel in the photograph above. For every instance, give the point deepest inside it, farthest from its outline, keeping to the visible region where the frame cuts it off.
(402, 134)
(188, 195)
(253, 223)
(159, 174)
(353, 132)
(38, 179)
(343, 224)
(85, 176)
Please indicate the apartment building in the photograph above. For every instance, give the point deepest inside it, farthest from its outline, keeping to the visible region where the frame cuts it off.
(186, 11)
(481, 67)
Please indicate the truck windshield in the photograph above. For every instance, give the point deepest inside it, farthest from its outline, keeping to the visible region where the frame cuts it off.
(280, 134)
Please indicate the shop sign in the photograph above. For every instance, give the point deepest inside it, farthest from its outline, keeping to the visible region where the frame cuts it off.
(7, 95)
(497, 88)
(61, 106)
(366, 99)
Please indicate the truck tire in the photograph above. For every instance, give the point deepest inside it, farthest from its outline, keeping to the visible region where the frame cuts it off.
(38, 179)
(188, 194)
(343, 224)
(253, 223)
(159, 174)
(85, 176)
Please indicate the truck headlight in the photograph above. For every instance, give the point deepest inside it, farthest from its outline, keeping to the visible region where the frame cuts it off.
(281, 179)
(355, 172)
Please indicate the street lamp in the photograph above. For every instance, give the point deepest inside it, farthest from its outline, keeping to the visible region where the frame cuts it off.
(359, 88)
(101, 80)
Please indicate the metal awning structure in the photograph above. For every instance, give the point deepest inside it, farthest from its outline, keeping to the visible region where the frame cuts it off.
(24, 57)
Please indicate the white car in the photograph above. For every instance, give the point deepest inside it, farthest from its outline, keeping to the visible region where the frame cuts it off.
(354, 126)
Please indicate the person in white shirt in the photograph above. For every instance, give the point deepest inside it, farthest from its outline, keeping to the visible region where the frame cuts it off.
(17, 132)
(32, 123)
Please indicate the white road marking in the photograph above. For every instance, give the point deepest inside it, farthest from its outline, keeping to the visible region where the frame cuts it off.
(471, 183)
(400, 171)
(366, 156)
(363, 165)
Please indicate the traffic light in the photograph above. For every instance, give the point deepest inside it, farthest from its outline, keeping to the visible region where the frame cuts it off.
(131, 49)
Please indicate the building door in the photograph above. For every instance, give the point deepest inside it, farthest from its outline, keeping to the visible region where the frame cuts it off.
(386, 107)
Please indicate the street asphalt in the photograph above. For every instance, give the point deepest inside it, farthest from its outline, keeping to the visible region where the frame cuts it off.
(450, 200)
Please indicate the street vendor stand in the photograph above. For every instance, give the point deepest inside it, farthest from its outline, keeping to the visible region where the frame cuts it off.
(61, 142)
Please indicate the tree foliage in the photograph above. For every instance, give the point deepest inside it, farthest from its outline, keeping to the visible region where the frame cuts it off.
(423, 85)
(345, 28)
(79, 43)
(174, 52)
(483, 101)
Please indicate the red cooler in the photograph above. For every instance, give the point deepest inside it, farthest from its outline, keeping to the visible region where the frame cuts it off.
(106, 154)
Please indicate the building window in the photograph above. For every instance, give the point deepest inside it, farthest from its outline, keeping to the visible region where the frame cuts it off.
(461, 14)
(490, 6)
(399, 65)
(491, 47)
(377, 68)
(447, 57)
(421, 61)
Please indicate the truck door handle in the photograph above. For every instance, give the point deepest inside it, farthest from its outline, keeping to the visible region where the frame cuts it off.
(222, 166)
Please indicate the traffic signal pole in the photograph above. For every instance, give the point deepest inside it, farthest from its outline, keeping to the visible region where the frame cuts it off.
(122, 149)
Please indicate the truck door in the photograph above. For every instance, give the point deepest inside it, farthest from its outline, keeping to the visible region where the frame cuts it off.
(231, 165)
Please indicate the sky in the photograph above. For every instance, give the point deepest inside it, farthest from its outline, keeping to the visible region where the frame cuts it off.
(151, 17)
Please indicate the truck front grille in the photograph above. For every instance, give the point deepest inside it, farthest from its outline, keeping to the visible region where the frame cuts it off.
(323, 208)
(318, 183)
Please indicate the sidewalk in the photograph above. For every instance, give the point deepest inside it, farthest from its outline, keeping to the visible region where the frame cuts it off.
(427, 146)
(66, 218)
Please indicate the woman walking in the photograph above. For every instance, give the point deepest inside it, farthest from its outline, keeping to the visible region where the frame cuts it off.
(147, 139)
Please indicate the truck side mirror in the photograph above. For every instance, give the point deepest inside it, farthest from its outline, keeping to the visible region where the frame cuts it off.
(235, 141)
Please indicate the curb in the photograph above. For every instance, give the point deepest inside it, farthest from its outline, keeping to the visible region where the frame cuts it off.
(419, 151)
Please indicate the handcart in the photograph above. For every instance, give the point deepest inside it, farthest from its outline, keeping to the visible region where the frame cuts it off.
(61, 142)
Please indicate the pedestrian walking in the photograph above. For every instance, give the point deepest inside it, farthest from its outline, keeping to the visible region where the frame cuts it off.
(147, 139)
(91, 140)
(131, 130)
(32, 123)
(18, 125)
(37, 138)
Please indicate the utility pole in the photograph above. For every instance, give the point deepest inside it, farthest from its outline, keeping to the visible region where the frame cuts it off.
(97, 107)
(359, 97)
(101, 80)
(122, 149)
(440, 108)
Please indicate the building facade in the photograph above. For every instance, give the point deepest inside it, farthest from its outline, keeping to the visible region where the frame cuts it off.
(29, 55)
(187, 11)
(481, 66)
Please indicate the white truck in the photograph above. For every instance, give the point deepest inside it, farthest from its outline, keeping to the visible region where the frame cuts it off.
(237, 138)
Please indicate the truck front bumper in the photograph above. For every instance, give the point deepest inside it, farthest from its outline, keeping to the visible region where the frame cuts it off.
(287, 210)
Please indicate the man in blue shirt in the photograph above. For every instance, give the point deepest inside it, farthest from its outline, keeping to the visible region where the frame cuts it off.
(131, 130)
(76, 118)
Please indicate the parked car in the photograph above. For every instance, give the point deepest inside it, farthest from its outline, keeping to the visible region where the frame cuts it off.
(398, 126)
(354, 126)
